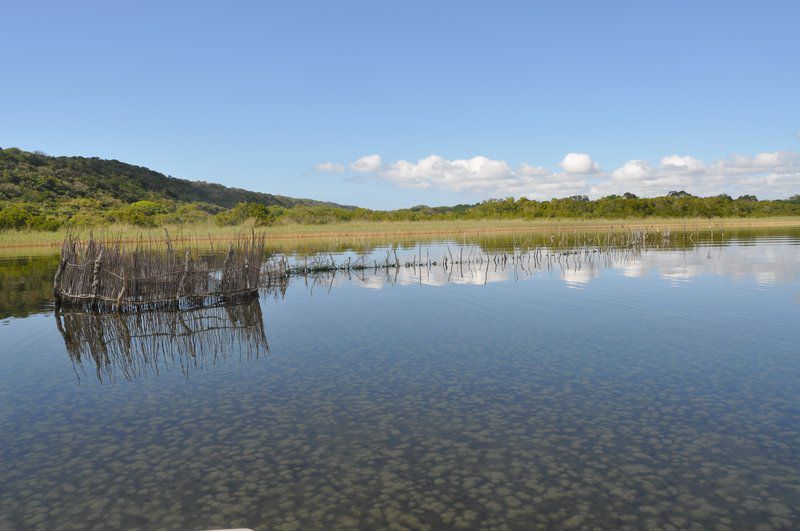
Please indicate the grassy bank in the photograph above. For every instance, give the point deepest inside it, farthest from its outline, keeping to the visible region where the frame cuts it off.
(293, 236)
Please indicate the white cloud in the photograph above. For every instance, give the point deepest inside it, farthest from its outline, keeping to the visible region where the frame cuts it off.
(780, 161)
(479, 177)
(329, 167)
(368, 163)
(767, 175)
(458, 175)
(579, 163)
(679, 164)
(633, 170)
(533, 171)
(773, 175)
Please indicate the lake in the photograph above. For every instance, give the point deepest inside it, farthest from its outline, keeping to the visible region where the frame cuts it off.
(653, 388)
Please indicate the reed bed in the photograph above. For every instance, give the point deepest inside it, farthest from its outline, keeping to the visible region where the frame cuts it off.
(13, 242)
(153, 275)
(139, 344)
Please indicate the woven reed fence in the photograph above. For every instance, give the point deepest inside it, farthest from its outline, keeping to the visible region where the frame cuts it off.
(94, 276)
(135, 345)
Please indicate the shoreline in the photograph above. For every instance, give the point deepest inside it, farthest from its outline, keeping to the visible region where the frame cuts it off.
(22, 240)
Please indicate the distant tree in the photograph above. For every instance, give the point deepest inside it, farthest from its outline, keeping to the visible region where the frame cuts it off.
(682, 193)
(747, 198)
(579, 198)
(628, 195)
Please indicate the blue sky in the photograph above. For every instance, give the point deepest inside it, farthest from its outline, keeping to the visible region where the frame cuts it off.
(647, 96)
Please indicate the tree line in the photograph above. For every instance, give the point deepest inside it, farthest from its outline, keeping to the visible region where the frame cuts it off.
(146, 213)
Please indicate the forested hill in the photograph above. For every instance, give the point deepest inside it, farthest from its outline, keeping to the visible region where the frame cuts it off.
(39, 178)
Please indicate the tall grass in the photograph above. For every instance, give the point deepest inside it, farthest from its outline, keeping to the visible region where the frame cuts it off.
(13, 243)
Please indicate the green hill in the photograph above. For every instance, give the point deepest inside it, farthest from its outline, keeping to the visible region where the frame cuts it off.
(39, 178)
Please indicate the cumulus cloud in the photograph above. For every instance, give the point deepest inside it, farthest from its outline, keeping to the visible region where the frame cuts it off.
(329, 167)
(477, 176)
(679, 164)
(458, 175)
(579, 163)
(633, 170)
(767, 175)
(368, 163)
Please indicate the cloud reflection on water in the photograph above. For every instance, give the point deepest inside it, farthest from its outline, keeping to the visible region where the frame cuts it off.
(764, 265)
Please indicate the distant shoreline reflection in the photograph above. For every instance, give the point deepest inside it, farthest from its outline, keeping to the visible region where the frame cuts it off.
(778, 264)
(137, 345)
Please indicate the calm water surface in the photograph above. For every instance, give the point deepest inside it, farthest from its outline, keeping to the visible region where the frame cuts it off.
(660, 390)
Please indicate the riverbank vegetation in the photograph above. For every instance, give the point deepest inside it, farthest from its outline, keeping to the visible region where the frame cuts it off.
(86, 213)
(364, 234)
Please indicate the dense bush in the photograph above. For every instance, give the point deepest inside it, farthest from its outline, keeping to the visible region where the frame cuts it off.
(142, 213)
(18, 216)
(257, 213)
(188, 214)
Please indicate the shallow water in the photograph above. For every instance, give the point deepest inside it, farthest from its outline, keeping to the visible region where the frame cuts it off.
(658, 390)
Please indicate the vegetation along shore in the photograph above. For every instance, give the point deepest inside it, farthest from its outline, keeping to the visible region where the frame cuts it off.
(42, 198)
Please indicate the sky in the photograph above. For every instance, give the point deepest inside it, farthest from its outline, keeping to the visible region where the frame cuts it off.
(395, 104)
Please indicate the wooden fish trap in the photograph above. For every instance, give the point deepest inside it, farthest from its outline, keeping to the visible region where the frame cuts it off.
(103, 277)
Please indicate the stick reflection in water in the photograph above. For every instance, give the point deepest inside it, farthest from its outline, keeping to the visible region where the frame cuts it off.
(462, 265)
(137, 345)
